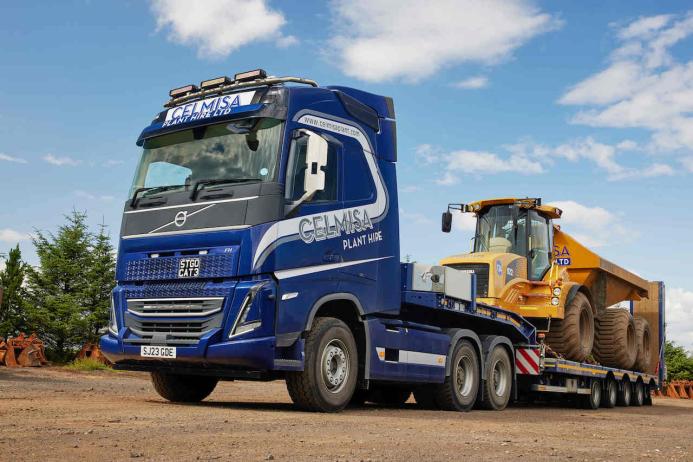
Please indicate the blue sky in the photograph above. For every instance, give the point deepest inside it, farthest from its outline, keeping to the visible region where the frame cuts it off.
(586, 104)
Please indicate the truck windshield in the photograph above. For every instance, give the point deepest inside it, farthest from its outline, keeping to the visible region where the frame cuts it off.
(246, 150)
(496, 233)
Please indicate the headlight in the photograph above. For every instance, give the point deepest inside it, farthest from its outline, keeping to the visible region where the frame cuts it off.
(242, 326)
(112, 319)
(555, 301)
(556, 291)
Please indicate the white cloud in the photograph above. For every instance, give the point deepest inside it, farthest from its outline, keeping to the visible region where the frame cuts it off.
(112, 162)
(8, 158)
(679, 317)
(409, 188)
(92, 197)
(287, 41)
(219, 27)
(414, 217)
(601, 154)
(61, 161)
(464, 221)
(472, 83)
(413, 39)
(12, 236)
(591, 226)
(643, 85)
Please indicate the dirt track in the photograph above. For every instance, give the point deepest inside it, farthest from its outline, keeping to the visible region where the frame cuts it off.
(51, 414)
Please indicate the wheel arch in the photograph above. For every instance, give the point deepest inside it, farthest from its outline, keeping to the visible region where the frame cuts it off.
(347, 308)
(465, 334)
(579, 288)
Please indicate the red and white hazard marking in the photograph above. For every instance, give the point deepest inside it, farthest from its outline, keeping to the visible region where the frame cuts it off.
(527, 361)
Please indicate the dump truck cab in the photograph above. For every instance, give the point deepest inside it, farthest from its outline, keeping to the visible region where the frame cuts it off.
(513, 244)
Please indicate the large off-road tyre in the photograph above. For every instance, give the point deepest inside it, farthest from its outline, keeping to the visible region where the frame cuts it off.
(642, 342)
(460, 389)
(183, 388)
(388, 395)
(329, 377)
(498, 382)
(614, 343)
(573, 336)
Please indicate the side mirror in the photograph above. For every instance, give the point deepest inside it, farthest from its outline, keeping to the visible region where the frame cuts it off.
(446, 224)
(316, 159)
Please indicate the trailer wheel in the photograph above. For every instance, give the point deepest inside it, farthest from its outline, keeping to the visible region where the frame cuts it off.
(611, 394)
(499, 380)
(625, 393)
(425, 397)
(638, 398)
(593, 400)
(648, 395)
(183, 388)
(459, 391)
(328, 379)
(388, 395)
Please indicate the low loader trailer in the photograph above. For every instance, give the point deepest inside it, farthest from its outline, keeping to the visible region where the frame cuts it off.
(260, 241)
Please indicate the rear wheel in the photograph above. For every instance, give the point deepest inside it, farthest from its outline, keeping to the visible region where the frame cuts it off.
(183, 388)
(614, 344)
(642, 343)
(328, 380)
(459, 391)
(638, 398)
(573, 336)
(593, 400)
(499, 380)
(625, 393)
(610, 394)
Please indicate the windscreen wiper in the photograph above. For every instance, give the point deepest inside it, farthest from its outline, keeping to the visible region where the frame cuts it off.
(200, 184)
(152, 190)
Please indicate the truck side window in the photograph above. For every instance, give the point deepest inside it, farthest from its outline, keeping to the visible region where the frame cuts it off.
(297, 168)
(360, 185)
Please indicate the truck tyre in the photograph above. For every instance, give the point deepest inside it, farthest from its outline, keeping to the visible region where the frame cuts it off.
(459, 391)
(388, 395)
(625, 394)
(642, 342)
(614, 344)
(328, 379)
(499, 380)
(183, 388)
(594, 399)
(648, 395)
(425, 397)
(573, 336)
(638, 398)
(610, 397)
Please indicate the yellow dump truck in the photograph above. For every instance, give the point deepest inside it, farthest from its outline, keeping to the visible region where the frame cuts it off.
(525, 263)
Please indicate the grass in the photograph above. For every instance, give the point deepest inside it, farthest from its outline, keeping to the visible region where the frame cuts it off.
(87, 364)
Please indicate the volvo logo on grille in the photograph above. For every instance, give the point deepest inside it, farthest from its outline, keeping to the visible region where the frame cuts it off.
(181, 218)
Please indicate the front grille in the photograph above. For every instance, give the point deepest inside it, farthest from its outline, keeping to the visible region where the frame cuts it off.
(173, 321)
(166, 268)
(481, 271)
(187, 289)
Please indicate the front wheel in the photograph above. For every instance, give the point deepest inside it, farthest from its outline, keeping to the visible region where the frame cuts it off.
(459, 391)
(183, 388)
(328, 379)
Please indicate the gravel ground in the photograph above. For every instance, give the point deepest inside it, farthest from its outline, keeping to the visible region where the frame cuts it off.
(55, 414)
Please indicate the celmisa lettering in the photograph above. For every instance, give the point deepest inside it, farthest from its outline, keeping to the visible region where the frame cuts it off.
(329, 225)
(206, 108)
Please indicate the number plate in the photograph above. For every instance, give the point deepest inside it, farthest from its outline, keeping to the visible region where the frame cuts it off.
(189, 268)
(158, 352)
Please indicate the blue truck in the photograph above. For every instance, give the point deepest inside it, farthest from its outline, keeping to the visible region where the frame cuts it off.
(260, 241)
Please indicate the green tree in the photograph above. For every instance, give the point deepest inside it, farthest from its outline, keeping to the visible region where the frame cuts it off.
(679, 362)
(67, 299)
(12, 318)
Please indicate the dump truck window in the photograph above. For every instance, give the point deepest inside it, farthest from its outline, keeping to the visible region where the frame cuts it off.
(540, 251)
(496, 232)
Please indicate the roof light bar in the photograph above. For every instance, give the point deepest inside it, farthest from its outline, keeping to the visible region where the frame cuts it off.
(211, 83)
(250, 75)
(182, 91)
